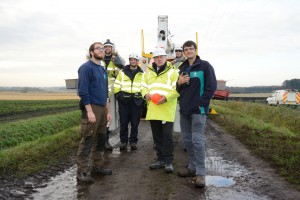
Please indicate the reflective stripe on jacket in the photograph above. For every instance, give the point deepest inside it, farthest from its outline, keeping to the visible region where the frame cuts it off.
(112, 70)
(125, 84)
(115, 64)
(164, 84)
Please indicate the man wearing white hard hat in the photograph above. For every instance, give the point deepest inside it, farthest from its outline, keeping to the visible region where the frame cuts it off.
(160, 81)
(127, 89)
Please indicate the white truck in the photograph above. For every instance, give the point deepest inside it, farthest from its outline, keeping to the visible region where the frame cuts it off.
(284, 97)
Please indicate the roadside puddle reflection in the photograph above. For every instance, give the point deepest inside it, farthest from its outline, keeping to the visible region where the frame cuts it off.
(219, 181)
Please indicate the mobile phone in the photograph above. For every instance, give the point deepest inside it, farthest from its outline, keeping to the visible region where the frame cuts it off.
(183, 74)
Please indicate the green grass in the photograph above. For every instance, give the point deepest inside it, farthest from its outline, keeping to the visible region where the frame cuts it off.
(31, 157)
(15, 133)
(13, 107)
(272, 133)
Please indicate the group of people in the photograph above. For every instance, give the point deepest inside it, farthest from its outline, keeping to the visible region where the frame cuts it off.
(187, 79)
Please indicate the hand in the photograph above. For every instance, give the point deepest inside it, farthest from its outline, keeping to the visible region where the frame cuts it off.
(108, 117)
(162, 100)
(183, 79)
(148, 96)
(91, 117)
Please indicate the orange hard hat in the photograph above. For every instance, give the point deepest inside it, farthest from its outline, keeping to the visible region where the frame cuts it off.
(155, 98)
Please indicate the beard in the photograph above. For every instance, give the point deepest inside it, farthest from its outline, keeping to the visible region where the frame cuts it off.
(98, 56)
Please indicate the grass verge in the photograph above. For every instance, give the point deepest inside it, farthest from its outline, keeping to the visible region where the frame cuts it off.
(272, 133)
(30, 157)
(15, 133)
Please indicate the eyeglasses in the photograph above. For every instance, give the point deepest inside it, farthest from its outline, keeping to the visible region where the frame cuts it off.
(189, 49)
(178, 51)
(99, 48)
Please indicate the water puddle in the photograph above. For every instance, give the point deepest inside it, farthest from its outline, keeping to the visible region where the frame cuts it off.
(62, 186)
(219, 181)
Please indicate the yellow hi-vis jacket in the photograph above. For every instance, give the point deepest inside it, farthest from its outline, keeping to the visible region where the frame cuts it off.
(112, 70)
(115, 64)
(128, 85)
(124, 83)
(164, 84)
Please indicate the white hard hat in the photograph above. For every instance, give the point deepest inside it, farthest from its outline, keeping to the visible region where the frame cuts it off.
(134, 55)
(178, 47)
(108, 43)
(159, 52)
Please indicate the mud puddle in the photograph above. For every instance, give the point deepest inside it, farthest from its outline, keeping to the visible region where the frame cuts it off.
(220, 182)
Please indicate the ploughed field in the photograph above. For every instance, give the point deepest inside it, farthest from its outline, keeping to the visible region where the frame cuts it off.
(17, 105)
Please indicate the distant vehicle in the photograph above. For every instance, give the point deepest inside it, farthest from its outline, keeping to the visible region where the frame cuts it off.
(284, 97)
(221, 93)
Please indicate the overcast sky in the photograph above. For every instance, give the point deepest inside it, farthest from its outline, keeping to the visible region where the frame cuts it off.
(248, 42)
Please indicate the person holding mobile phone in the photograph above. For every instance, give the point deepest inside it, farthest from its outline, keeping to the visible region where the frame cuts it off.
(196, 85)
(186, 77)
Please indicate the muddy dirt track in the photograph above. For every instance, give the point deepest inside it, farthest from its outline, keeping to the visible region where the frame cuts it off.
(232, 173)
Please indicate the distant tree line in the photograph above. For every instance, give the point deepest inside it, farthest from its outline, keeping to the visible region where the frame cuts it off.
(291, 84)
(32, 89)
(287, 84)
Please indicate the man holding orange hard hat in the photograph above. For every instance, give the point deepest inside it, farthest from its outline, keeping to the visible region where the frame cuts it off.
(159, 89)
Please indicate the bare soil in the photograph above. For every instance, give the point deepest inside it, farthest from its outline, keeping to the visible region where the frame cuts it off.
(232, 173)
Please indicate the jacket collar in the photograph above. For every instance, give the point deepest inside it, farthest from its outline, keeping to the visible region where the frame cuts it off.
(167, 66)
(127, 68)
(185, 64)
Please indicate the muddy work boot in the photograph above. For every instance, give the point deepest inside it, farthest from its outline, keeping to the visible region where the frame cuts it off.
(123, 146)
(186, 173)
(199, 181)
(169, 168)
(157, 165)
(84, 177)
(133, 146)
(108, 147)
(101, 170)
